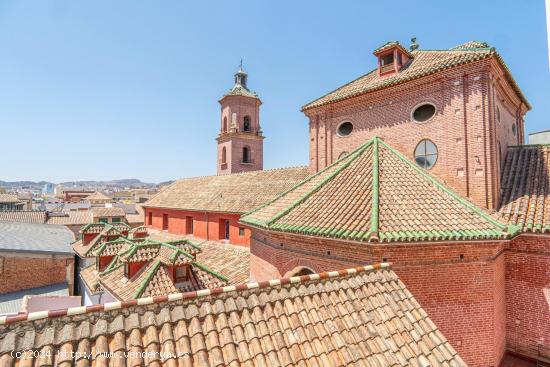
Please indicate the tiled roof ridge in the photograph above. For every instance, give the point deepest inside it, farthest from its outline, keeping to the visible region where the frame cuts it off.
(243, 173)
(107, 226)
(147, 278)
(529, 146)
(110, 306)
(26, 211)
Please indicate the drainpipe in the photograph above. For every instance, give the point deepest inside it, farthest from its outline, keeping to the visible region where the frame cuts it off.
(206, 213)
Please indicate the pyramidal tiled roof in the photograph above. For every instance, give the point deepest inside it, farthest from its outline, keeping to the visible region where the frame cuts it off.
(363, 316)
(240, 90)
(376, 194)
(423, 63)
(525, 188)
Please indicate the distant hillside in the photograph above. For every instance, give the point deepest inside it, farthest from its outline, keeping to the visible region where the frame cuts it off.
(127, 182)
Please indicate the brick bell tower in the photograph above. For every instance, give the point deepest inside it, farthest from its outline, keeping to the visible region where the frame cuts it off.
(240, 142)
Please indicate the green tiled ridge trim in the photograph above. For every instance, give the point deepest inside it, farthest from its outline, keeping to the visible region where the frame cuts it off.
(187, 242)
(392, 236)
(375, 190)
(208, 270)
(136, 246)
(109, 226)
(105, 244)
(345, 165)
(251, 220)
(113, 265)
(146, 280)
(449, 192)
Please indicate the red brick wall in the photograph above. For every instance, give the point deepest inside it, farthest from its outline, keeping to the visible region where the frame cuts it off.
(19, 272)
(203, 223)
(463, 128)
(528, 294)
(464, 297)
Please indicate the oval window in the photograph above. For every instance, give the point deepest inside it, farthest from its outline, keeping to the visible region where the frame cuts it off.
(345, 128)
(423, 112)
(425, 154)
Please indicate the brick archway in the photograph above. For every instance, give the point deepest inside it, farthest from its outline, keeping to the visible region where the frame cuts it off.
(298, 271)
(298, 267)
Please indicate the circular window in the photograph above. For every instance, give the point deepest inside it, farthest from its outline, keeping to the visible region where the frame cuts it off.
(514, 129)
(423, 112)
(425, 154)
(345, 128)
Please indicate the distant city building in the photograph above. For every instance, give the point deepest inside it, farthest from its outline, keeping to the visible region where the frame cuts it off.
(48, 189)
(76, 196)
(540, 137)
(97, 198)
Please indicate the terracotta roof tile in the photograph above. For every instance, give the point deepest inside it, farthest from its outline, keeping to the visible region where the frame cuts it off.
(27, 216)
(108, 212)
(9, 198)
(525, 188)
(78, 217)
(236, 193)
(376, 194)
(338, 318)
(423, 63)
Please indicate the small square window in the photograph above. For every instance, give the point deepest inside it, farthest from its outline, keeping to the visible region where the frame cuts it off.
(103, 220)
(241, 231)
(181, 273)
(116, 220)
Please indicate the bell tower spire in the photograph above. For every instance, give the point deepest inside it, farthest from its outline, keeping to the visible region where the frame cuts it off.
(241, 76)
(240, 141)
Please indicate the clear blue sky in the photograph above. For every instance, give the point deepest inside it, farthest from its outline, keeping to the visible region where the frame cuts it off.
(129, 89)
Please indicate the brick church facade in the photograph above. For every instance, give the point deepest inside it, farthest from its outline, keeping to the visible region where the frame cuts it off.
(420, 163)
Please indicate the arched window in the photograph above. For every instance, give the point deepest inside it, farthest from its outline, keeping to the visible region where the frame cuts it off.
(246, 123)
(342, 155)
(224, 155)
(246, 155)
(224, 124)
